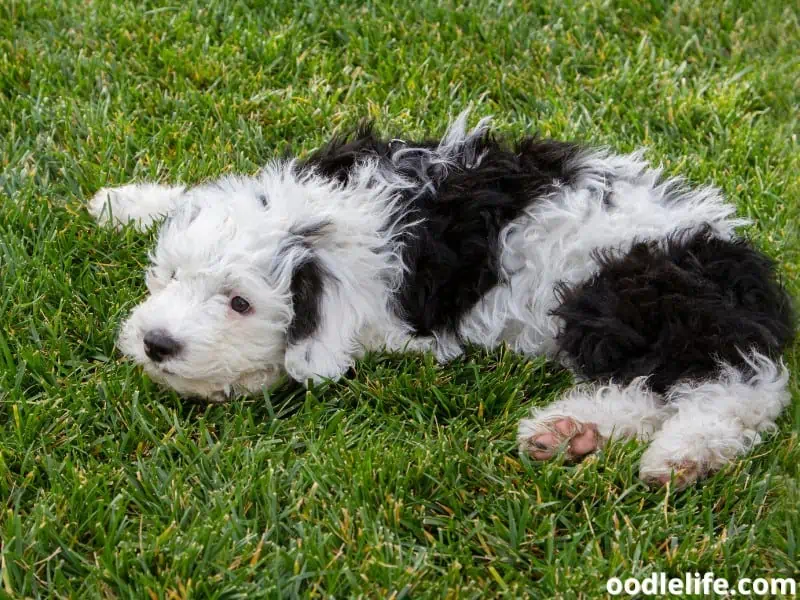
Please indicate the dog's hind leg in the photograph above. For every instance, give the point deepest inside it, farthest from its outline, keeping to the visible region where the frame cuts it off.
(138, 203)
(716, 420)
(699, 317)
(589, 415)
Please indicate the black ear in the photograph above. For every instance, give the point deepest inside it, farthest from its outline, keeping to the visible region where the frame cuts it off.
(308, 276)
(306, 288)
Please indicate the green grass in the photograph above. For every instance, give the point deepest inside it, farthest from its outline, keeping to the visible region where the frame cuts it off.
(404, 480)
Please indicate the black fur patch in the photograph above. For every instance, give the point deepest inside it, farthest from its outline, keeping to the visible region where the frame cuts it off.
(672, 312)
(307, 283)
(342, 153)
(452, 251)
(306, 288)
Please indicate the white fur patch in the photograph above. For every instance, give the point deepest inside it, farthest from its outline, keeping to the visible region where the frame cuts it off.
(716, 421)
(556, 238)
(617, 411)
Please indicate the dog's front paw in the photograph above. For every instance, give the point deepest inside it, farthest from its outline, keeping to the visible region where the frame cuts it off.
(137, 203)
(312, 360)
(102, 205)
(114, 206)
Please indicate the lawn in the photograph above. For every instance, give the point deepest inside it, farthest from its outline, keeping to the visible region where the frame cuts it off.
(404, 480)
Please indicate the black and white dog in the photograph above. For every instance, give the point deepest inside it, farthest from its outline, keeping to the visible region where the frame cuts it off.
(637, 283)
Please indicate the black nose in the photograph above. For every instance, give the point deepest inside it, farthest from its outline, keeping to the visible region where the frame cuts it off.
(158, 345)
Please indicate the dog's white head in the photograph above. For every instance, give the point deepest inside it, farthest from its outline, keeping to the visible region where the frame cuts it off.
(220, 308)
(249, 273)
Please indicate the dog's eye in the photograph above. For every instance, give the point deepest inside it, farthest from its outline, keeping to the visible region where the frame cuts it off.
(174, 275)
(239, 304)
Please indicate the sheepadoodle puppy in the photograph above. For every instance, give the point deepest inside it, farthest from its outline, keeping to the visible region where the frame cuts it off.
(636, 282)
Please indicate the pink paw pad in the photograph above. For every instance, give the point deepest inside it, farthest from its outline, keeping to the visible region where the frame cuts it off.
(681, 474)
(580, 439)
